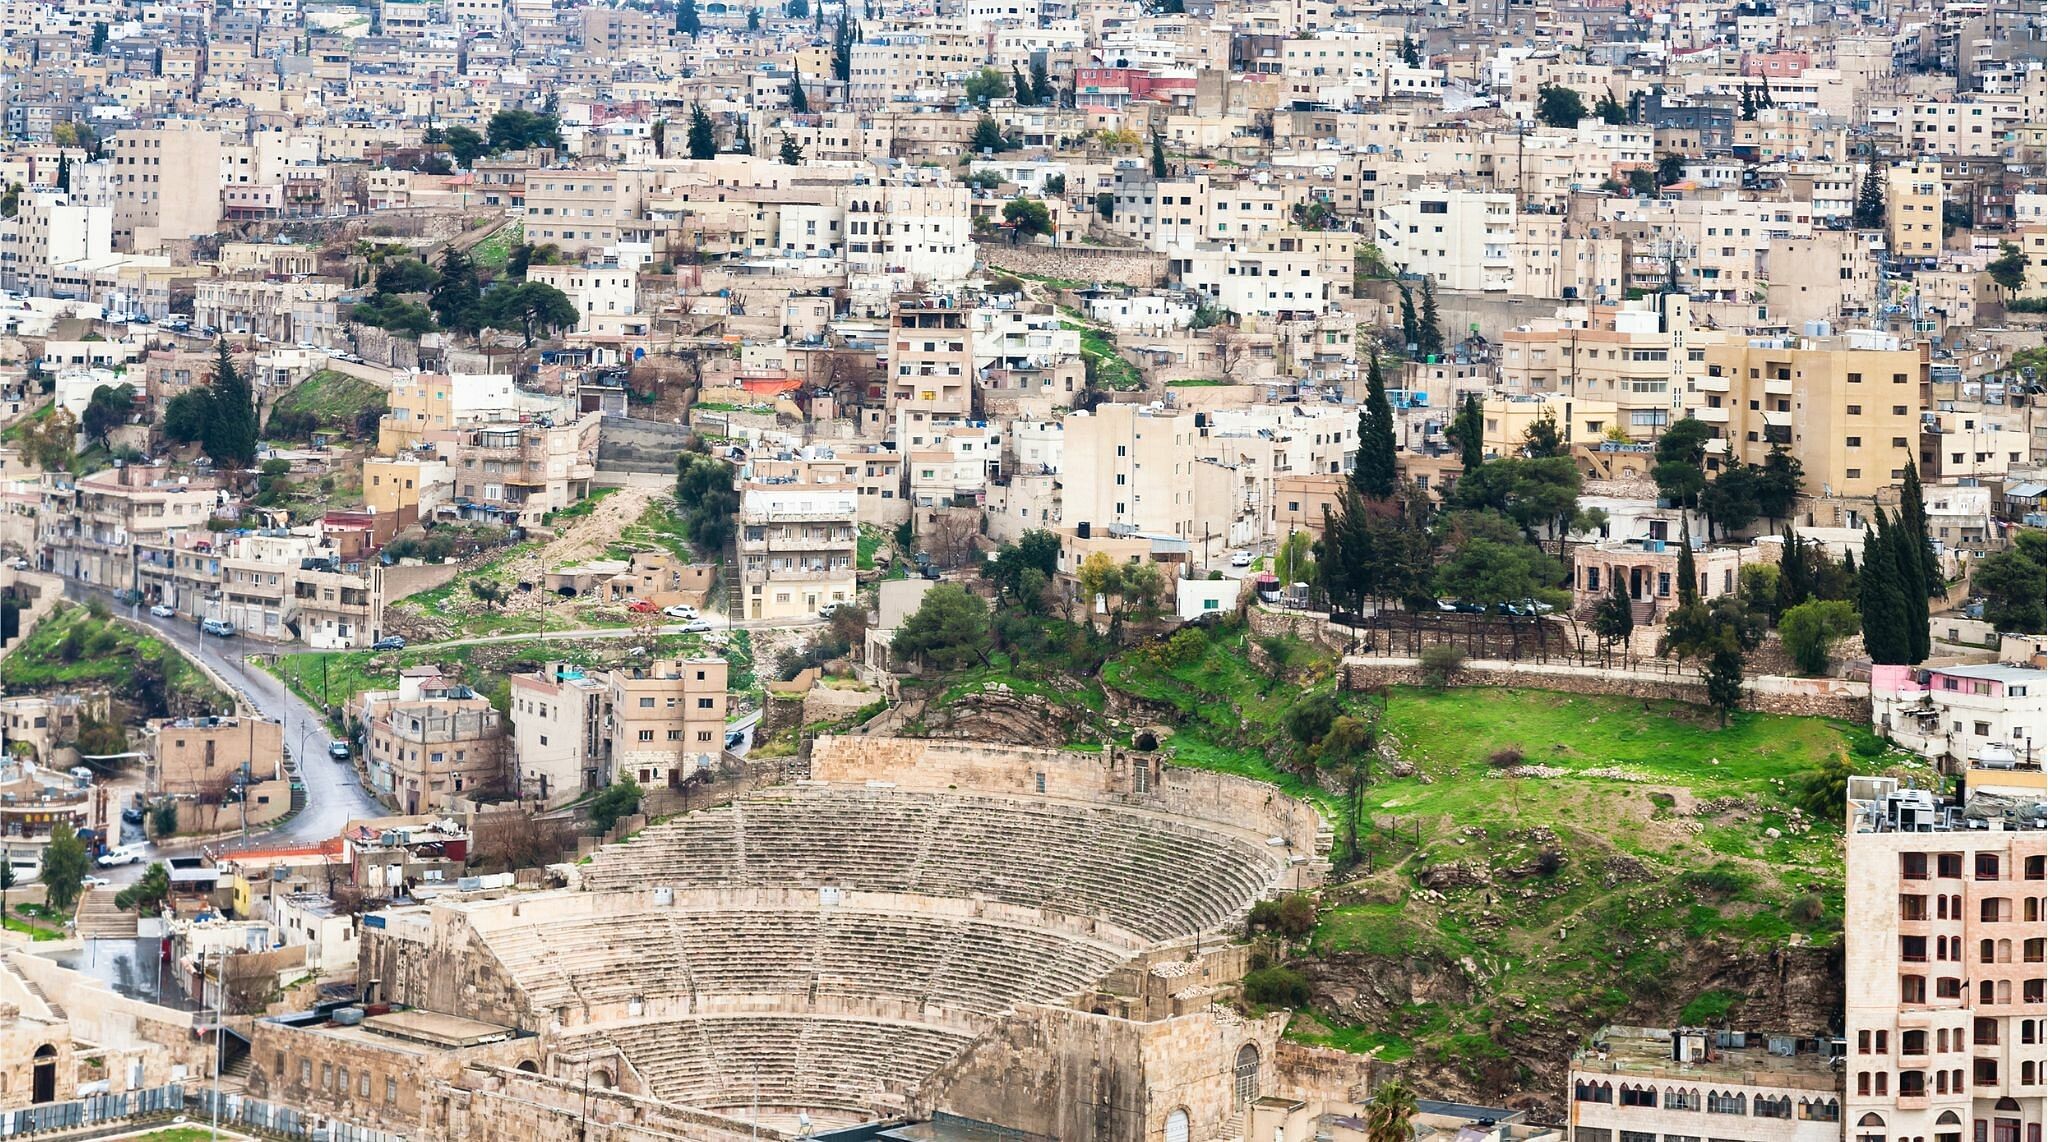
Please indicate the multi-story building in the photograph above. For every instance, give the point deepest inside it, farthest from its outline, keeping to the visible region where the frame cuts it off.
(559, 745)
(200, 756)
(101, 528)
(1638, 357)
(1946, 979)
(521, 471)
(167, 184)
(666, 718)
(1132, 470)
(1984, 717)
(931, 361)
(1912, 205)
(1640, 1083)
(48, 236)
(430, 741)
(1848, 407)
(797, 542)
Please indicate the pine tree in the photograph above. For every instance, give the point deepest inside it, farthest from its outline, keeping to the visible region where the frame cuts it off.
(799, 103)
(1411, 325)
(1158, 156)
(792, 154)
(1375, 473)
(687, 20)
(1880, 601)
(1688, 574)
(1724, 679)
(1869, 210)
(1431, 331)
(64, 173)
(703, 138)
(842, 48)
(1021, 88)
(456, 296)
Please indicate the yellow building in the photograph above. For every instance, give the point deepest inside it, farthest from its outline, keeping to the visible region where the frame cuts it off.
(1912, 200)
(1847, 407)
(401, 482)
(1579, 420)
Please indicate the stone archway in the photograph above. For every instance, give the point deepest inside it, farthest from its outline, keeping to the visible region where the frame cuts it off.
(1246, 1074)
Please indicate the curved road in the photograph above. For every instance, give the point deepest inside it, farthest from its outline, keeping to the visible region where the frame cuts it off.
(334, 795)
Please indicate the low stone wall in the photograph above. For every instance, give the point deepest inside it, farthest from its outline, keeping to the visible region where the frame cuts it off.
(1081, 263)
(1808, 697)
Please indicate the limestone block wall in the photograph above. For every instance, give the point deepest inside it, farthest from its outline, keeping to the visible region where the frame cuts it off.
(430, 958)
(488, 1104)
(1811, 697)
(125, 1030)
(1109, 776)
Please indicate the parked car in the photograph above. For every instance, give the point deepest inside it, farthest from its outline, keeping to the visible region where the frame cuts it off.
(94, 882)
(163, 610)
(829, 609)
(1241, 559)
(338, 751)
(21, 564)
(388, 642)
(733, 738)
(218, 628)
(680, 611)
(640, 607)
(132, 814)
(114, 858)
(697, 626)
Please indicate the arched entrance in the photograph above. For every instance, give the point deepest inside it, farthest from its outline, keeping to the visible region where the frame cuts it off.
(1247, 1076)
(1177, 1126)
(43, 1085)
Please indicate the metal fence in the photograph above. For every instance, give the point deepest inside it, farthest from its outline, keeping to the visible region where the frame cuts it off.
(92, 1110)
(282, 1121)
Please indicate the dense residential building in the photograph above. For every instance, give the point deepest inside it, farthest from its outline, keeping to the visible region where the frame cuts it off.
(431, 741)
(1640, 1082)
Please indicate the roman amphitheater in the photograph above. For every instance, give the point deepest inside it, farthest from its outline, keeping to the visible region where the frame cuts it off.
(1039, 942)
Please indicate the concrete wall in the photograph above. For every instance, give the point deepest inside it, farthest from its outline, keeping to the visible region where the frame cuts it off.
(1808, 697)
(1107, 775)
(628, 444)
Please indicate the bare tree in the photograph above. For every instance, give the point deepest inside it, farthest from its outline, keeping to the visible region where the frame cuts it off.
(506, 842)
(950, 540)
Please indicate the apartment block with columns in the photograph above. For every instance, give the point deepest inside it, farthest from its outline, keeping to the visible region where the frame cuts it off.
(1946, 996)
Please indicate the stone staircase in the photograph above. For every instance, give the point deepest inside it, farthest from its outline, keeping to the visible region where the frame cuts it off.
(99, 918)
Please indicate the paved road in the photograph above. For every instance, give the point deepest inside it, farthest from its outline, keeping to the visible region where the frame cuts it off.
(333, 794)
(718, 623)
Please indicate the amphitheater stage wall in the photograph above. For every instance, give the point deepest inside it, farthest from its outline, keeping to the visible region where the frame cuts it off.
(1108, 776)
(292, 1065)
(490, 1104)
(431, 958)
(1060, 1073)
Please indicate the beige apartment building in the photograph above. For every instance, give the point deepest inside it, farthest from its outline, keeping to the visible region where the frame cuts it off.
(104, 527)
(667, 719)
(194, 756)
(520, 471)
(797, 545)
(1639, 356)
(1639, 1083)
(430, 741)
(1848, 407)
(559, 746)
(1912, 206)
(1946, 978)
(1132, 470)
(167, 184)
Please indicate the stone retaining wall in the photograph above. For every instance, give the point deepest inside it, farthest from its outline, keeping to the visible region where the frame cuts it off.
(1808, 697)
(1081, 263)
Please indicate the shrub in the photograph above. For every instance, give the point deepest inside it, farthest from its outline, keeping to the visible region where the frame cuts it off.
(1808, 909)
(1721, 880)
(1507, 758)
(1439, 663)
(1276, 987)
(1292, 916)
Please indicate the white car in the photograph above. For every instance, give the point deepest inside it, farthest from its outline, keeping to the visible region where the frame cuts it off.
(164, 611)
(1241, 559)
(680, 611)
(698, 626)
(95, 882)
(115, 858)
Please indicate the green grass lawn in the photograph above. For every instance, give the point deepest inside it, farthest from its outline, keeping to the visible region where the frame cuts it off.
(33, 931)
(491, 254)
(871, 540)
(72, 650)
(580, 508)
(659, 528)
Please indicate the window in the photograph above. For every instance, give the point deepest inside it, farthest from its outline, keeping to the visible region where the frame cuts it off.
(647, 735)
(1729, 1103)
(1638, 1096)
(1987, 867)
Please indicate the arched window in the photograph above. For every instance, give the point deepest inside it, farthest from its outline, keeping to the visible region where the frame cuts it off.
(1247, 1073)
(1949, 1118)
(1177, 1126)
(1876, 1120)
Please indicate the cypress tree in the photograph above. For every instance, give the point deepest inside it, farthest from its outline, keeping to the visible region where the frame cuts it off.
(1868, 213)
(1882, 604)
(1913, 518)
(1374, 473)
(1411, 325)
(1158, 156)
(1430, 333)
(1795, 574)
(229, 437)
(1905, 553)
(1468, 432)
(1688, 575)
(799, 103)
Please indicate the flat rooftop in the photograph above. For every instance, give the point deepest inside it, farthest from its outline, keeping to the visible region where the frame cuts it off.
(1646, 1052)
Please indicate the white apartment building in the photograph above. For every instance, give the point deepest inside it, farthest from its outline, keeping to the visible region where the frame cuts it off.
(167, 183)
(49, 235)
(1984, 717)
(1462, 239)
(1946, 1019)
(1641, 1083)
(797, 545)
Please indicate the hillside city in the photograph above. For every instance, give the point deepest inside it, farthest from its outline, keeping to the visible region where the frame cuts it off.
(949, 570)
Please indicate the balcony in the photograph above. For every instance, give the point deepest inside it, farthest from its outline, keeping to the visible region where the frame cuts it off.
(1711, 415)
(1778, 387)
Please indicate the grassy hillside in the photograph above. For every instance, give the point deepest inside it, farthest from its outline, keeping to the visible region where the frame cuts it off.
(326, 400)
(75, 649)
(1531, 864)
